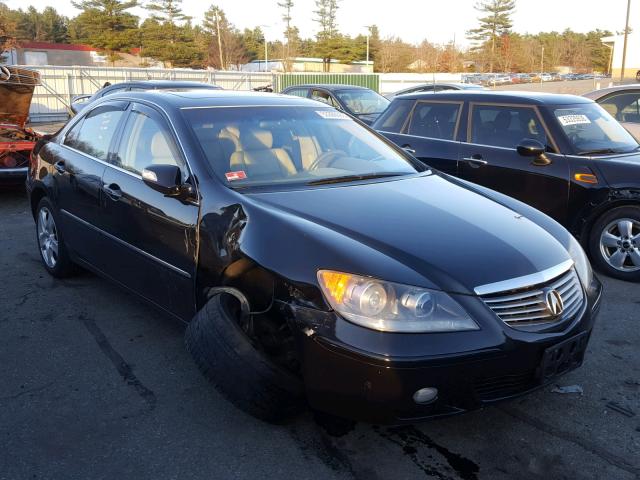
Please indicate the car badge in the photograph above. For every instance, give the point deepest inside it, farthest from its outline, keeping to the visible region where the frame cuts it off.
(555, 304)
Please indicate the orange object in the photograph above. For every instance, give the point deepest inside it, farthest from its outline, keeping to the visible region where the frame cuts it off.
(586, 178)
(335, 283)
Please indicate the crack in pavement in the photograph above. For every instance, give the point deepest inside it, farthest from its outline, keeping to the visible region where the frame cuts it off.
(30, 390)
(610, 458)
(123, 368)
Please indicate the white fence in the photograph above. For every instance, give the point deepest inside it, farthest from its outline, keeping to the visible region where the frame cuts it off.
(60, 85)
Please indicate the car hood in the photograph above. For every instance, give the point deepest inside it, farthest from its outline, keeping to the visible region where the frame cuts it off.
(619, 170)
(448, 234)
(16, 91)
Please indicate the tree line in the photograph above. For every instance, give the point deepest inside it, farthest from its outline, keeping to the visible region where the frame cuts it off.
(168, 35)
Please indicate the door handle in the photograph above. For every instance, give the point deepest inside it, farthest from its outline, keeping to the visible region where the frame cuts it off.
(59, 166)
(408, 149)
(113, 191)
(475, 161)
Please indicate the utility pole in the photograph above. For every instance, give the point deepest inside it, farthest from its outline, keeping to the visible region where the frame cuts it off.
(219, 40)
(368, 27)
(542, 66)
(626, 37)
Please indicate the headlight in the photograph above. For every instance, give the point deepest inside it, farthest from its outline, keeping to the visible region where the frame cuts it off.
(391, 307)
(582, 264)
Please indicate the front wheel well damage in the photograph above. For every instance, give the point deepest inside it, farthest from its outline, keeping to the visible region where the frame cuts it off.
(37, 194)
(585, 232)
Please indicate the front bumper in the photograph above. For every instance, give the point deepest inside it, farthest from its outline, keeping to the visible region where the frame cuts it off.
(349, 373)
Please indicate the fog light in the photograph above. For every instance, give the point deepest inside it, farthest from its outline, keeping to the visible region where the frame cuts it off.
(425, 395)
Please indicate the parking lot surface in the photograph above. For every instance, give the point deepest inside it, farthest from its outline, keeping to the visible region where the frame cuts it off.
(95, 384)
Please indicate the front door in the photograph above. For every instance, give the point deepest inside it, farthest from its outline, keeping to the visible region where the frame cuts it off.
(155, 237)
(490, 158)
(430, 134)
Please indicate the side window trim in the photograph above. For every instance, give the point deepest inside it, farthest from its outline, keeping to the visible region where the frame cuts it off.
(536, 110)
(405, 128)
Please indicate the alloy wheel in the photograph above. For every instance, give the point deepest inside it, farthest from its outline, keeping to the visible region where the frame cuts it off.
(620, 244)
(47, 237)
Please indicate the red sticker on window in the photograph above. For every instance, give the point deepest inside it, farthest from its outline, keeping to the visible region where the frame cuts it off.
(233, 176)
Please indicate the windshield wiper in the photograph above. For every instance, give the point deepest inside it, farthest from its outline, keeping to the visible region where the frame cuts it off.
(353, 178)
(602, 151)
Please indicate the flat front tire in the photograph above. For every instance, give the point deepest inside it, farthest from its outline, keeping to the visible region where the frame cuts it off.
(615, 243)
(240, 371)
(53, 251)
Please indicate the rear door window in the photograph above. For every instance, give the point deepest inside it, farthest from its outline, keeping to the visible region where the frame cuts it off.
(505, 126)
(435, 120)
(324, 97)
(93, 134)
(299, 92)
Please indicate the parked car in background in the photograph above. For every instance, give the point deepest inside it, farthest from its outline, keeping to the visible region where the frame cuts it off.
(360, 102)
(434, 88)
(622, 103)
(312, 258)
(16, 140)
(561, 154)
(82, 101)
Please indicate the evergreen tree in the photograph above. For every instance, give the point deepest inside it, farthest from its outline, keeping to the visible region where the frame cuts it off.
(327, 40)
(289, 33)
(106, 24)
(494, 24)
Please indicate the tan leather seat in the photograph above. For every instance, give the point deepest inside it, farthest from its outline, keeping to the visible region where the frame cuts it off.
(258, 158)
(229, 139)
(161, 151)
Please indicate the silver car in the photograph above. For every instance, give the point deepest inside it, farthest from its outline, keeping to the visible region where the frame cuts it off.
(622, 103)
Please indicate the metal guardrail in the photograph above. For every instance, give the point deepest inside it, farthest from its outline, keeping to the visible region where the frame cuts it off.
(60, 85)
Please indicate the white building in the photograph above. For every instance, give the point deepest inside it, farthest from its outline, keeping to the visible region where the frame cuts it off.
(632, 65)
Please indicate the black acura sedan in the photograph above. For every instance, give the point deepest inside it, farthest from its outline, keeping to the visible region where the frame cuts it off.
(311, 258)
(562, 154)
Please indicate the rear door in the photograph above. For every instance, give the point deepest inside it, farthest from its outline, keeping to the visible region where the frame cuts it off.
(80, 160)
(490, 157)
(155, 237)
(429, 131)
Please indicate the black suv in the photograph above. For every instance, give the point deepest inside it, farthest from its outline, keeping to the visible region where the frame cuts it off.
(562, 154)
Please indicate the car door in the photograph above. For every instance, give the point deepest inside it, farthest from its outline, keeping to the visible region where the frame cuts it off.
(155, 237)
(430, 132)
(490, 157)
(625, 107)
(79, 163)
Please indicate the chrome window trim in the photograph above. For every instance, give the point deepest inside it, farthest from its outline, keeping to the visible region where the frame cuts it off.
(525, 280)
(126, 244)
(254, 106)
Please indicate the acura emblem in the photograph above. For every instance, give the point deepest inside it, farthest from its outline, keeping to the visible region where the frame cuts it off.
(555, 304)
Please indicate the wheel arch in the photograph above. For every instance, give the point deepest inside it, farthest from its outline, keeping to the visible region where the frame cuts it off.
(37, 194)
(585, 232)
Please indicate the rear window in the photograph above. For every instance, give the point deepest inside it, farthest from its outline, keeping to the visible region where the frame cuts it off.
(394, 118)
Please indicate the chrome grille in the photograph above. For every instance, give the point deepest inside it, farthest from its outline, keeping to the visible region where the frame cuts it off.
(528, 307)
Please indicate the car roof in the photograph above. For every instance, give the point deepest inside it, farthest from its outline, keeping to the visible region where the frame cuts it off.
(596, 94)
(203, 98)
(162, 84)
(328, 86)
(525, 98)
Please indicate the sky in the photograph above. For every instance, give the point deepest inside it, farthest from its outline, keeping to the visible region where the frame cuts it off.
(412, 20)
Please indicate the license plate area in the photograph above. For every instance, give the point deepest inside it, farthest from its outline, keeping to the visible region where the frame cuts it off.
(564, 356)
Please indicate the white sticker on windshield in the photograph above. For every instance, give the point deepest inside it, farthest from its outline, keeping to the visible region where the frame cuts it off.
(567, 120)
(332, 115)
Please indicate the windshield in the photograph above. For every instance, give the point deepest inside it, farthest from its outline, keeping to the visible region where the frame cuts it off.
(591, 130)
(259, 146)
(363, 102)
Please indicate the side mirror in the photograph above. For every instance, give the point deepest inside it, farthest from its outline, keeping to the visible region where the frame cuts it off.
(534, 149)
(166, 179)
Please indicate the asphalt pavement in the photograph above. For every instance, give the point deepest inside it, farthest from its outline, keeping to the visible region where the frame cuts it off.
(94, 384)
